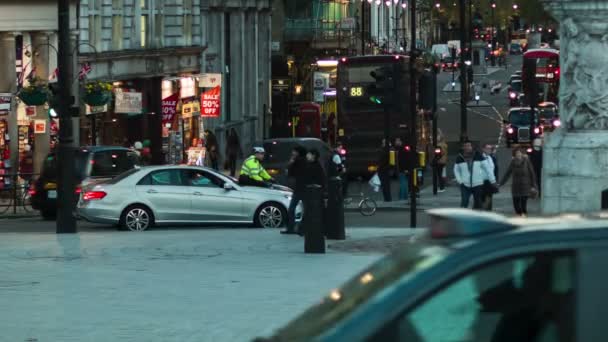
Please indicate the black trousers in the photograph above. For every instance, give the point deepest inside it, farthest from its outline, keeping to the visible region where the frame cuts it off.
(385, 181)
(245, 180)
(520, 204)
(232, 165)
(440, 179)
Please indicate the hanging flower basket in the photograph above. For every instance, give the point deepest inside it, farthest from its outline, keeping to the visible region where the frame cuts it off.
(97, 94)
(35, 94)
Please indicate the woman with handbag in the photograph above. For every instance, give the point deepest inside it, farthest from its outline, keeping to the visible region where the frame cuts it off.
(524, 182)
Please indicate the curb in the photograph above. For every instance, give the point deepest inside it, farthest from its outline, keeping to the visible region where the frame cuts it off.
(15, 217)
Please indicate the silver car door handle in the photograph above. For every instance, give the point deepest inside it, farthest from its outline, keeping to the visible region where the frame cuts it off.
(152, 191)
(198, 194)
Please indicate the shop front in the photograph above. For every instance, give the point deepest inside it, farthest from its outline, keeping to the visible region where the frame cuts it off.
(148, 93)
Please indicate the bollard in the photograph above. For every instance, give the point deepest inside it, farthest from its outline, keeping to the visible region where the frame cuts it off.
(312, 222)
(334, 220)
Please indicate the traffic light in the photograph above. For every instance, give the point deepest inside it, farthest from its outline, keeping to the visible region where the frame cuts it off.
(380, 92)
(427, 91)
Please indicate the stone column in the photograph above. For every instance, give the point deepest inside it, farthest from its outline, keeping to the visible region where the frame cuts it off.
(40, 61)
(8, 84)
(575, 170)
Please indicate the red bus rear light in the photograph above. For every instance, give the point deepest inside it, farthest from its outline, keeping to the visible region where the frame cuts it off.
(93, 195)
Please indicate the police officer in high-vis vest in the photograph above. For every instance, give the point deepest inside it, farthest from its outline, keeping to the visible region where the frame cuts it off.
(252, 171)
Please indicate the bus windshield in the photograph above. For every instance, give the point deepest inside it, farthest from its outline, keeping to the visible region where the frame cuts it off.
(354, 82)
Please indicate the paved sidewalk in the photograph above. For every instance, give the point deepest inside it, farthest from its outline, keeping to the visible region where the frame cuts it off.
(163, 285)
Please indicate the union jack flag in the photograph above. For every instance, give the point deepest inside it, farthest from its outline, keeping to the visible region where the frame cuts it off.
(85, 69)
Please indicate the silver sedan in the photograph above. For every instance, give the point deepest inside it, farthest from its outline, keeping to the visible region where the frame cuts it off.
(143, 197)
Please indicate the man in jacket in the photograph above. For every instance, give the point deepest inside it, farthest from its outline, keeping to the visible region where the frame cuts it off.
(471, 170)
(296, 173)
(252, 171)
(536, 157)
(489, 189)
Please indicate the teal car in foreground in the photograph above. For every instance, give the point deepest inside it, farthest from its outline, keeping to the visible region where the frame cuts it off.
(474, 276)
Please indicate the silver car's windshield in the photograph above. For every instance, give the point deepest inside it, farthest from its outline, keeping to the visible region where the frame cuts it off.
(398, 265)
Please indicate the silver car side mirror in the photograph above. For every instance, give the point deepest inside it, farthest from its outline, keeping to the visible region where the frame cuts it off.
(228, 186)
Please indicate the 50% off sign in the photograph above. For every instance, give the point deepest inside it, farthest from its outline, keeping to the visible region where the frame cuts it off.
(210, 103)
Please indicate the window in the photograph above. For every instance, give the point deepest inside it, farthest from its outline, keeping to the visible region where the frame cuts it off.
(530, 298)
(117, 24)
(188, 22)
(143, 24)
(95, 23)
(159, 25)
(111, 163)
(203, 179)
(163, 177)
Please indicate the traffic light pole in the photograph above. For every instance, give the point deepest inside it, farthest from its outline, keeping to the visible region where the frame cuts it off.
(66, 222)
(463, 72)
(413, 110)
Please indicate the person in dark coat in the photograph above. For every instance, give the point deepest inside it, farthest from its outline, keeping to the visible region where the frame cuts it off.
(296, 175)
(213, 153)
(524, 181)
(314, 173)
(233, 151)
(536, 157)
(384, 170)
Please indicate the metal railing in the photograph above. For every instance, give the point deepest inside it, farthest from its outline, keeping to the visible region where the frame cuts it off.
(15, 193)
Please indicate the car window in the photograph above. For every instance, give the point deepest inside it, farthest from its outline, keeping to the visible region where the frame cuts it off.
(201, 178)
(520, 117)
(163, 177)
(516, 85)
(277, 152)
(112, 162)
(122, 176)
(529, 298)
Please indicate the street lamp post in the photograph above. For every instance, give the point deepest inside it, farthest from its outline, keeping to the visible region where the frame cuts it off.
(463, 71)
(493, 57)
(413, 110)
(66, 222)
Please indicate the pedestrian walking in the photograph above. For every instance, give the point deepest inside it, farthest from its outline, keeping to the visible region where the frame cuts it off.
(233, 151)
(296, 176)
(470, 171)
(489, 152)
(442, 161)
(384, 171)
(336, 167)
(211, 146)
(403, 165)
(524, 181)
(536, 157)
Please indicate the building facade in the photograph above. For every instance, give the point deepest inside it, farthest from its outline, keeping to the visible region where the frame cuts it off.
(163, 48)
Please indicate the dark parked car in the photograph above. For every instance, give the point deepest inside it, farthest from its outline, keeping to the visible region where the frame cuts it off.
(278, 153)
(549, 116)
(474, 276)
(91, 164)
(520, 128)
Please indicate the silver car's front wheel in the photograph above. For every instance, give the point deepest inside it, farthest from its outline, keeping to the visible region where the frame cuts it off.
(137, 219)
(270, 216)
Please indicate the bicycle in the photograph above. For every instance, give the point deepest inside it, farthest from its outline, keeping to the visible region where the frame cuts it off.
(367, 206)
(21, 194)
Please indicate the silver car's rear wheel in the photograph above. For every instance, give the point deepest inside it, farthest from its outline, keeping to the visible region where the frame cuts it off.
(137, 218)
(270, 215)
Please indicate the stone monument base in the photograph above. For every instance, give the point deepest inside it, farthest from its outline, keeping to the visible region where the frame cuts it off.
(575, 171)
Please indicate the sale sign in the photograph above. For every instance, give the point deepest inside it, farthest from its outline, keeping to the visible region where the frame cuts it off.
(210, 103)
(169, 107)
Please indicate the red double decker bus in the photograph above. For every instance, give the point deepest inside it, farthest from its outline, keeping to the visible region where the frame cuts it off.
(541, 66)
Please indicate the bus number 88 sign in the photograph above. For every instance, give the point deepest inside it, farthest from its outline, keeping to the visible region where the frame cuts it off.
(210, 103)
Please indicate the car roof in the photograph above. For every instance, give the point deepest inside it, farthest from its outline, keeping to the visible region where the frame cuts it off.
(547, 104)
(288, 140)
(167, 167)
(517, 109)
(103, 148)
